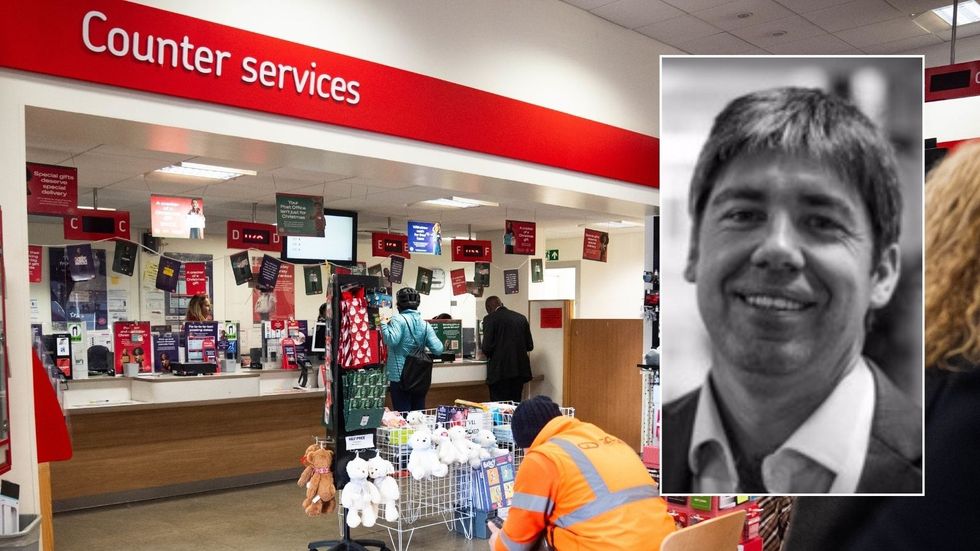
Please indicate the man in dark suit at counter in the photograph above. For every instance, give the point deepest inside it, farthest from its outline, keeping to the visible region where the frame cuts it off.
(506, 342)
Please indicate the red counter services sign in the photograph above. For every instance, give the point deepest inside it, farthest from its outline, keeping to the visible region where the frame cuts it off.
(129, 45)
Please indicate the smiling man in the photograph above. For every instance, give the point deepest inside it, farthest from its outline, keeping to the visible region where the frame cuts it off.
(795, 207)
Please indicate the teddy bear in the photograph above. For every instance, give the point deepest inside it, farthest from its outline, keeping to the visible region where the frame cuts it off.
(447, 451)
(466, 451)
(360, 497)
(488, 446)
(416, 419)
(318, 480)
(424, 459)
(379, 470)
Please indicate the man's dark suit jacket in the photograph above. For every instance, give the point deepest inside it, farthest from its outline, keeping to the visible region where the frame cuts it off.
(893, 463)
(506, 342)
(945, 518)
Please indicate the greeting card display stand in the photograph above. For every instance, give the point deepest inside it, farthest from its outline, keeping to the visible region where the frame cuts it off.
(338, 427)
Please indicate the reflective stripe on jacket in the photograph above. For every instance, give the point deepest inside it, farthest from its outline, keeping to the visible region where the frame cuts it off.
(583, 490)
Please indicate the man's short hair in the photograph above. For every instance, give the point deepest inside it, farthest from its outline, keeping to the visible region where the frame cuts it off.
(810, 123)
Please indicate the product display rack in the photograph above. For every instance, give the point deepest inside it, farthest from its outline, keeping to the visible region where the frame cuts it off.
(650, 426)
(337, 425)
(433, 500)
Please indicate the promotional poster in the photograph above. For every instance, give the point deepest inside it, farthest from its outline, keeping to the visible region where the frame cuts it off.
(132, 343)
(165, 351)
(423, 281)
(458, 279)
(81, 263)
(512, 284)
(299, 215)
(519, 237)
(177, 217)
(397, 269)
(280, 302)
(424, 237)
(537, 270)
(241, 268)
(51, 189)
(78, 300)
(595, 245)
(313, 280)
(201, 338)
(168, 274)
(34, 263)
(124, 257)
(195, 278)
(481, 273)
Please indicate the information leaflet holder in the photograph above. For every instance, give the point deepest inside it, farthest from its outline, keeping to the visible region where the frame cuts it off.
(338, 422)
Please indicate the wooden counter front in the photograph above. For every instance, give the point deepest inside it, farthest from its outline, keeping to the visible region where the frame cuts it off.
(129, 454)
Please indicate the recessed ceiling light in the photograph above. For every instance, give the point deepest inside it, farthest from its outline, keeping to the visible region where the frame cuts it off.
(85, 207)
(458, 202)
(968, 12)
(212, 172)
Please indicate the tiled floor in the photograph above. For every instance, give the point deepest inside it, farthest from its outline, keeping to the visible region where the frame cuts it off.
(267, 517)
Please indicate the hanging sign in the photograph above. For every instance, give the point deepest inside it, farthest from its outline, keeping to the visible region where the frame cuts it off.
(51, 189)
(458, 279)
(81, 262)
(196, 278)
(512, 284)
(313, 279)
(168, 275)
(423, 281)
(124, 257)
(85, 225)
(252, 235)
(595, 245)
(519, 237)
(299, 215)
(387, 244)
(537, 270)
(268, 272)
(397, 269)
(240, 267)
(472, 250)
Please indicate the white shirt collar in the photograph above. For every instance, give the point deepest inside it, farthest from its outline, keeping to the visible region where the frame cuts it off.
(835, 437)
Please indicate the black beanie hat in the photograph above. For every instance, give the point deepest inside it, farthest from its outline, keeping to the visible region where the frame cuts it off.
(530, 417)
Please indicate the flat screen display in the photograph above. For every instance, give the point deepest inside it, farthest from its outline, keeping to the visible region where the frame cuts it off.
(339, 244)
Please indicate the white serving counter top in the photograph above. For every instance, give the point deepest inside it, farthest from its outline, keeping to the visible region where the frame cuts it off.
(101, 394)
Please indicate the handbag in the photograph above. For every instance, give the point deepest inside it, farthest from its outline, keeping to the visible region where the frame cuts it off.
(417, 373)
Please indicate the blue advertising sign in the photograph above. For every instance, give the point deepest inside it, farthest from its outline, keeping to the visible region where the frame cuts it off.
(424, 237)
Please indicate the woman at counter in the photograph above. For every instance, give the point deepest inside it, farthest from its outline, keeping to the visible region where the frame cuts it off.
(403, 334)
(199, 308)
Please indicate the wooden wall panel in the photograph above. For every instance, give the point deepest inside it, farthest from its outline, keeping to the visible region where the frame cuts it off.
(602, 381)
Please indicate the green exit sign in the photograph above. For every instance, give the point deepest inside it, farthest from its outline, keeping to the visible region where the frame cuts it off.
(552, 254)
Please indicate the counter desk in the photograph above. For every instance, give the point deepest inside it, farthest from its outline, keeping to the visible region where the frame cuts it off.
(147, 437)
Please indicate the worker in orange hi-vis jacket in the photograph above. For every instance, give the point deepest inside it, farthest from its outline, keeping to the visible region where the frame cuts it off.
(578, 488)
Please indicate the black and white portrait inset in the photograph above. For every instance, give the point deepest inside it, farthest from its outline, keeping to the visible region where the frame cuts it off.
(791, 275)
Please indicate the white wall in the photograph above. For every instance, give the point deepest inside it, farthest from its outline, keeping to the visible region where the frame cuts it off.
(607, 290)
(543, 52)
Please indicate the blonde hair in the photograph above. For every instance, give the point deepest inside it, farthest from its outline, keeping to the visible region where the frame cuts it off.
(952, 282)
(195, 308)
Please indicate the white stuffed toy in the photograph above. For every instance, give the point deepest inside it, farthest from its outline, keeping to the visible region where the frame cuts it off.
(424, 459)
(466, 451)
(416, 419)
(379, 470)
(447, 451)
(488, 446)
(360, 497)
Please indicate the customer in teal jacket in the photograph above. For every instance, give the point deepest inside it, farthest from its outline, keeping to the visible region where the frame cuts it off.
(403, 334)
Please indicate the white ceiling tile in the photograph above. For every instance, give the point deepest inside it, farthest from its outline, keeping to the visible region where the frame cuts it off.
(721, 43)
(962, 31)
(910, 44)
(587, 4)
(125, 151)
(691, 6)
(879, 33)
(804, 6)
(853, 14)
(726, 16)
(919, 6)
(679, 29)
(46, 155)
(304, 175)
(790, 29)
(825, 44)
(932, 22)
(636, 13)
